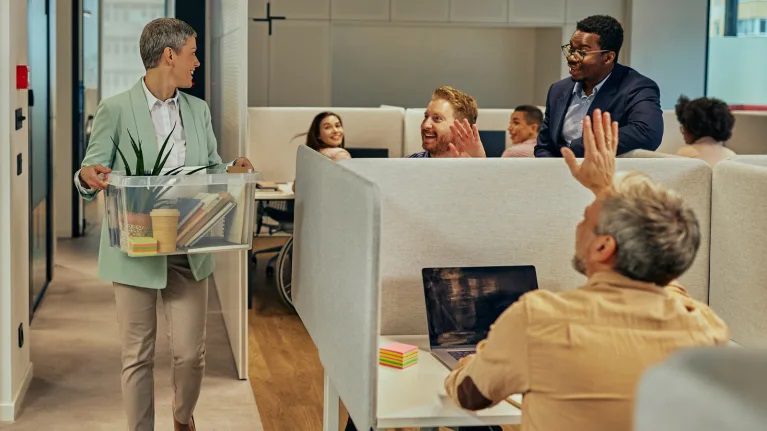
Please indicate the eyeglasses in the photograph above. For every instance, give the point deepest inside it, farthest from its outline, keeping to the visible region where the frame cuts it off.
(578, 54)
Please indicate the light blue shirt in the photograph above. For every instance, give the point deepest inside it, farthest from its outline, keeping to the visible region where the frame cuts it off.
(579, 105)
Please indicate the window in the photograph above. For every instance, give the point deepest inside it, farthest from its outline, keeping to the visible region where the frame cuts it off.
(120, 54)
(736, 47)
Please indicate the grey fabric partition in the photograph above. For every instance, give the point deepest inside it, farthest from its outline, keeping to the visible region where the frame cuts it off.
(712, 389)
(336, 275)
(646, 154)
(757, 160)
(498, 212)
(739, 248)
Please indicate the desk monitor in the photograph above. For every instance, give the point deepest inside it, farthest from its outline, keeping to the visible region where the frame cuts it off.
(368, 153)
(462, 303)
(494, 142)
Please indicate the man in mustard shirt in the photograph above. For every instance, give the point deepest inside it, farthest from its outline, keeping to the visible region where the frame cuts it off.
(577, 355)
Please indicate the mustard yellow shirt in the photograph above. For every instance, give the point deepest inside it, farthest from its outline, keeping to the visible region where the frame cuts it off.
(577, 356)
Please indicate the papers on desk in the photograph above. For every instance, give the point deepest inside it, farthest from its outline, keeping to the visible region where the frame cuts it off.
(267, 185)
(280, 191)
(398, 355)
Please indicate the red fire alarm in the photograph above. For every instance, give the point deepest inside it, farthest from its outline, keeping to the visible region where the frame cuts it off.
(22, 77)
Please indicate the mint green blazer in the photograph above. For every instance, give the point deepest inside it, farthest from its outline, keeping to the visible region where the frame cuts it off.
(114, 117)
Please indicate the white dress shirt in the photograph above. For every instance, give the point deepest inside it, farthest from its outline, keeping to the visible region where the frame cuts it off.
(165, 114)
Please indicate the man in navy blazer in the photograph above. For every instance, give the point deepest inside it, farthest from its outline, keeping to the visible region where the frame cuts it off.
(597, 81)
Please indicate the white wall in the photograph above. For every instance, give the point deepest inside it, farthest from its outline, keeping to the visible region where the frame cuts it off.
(61, 119)
(367, 53)
(15, 367)
(736, 69)
(668, 44)
(401, 65)
(228, 102)
(547, 56)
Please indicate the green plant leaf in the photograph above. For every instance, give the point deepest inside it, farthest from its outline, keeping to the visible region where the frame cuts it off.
(174, 171)
(141, 159)
(201, 168)
(163, 203)
(164, 160)
(162, 192)
(157, 164)
(139, 154)
(122, 156)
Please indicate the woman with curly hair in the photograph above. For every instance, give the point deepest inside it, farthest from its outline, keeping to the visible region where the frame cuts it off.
(706, 124)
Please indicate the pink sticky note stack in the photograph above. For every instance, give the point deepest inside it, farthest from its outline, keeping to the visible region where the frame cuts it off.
(398, 355)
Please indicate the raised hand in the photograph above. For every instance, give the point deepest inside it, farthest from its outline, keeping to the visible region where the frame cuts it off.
(600, 145)
(89, 175)
(466, 142)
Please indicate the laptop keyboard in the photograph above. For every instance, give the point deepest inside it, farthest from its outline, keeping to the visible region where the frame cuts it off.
(458, 354)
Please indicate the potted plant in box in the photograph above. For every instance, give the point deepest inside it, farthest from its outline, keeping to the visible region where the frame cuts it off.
(142, 200)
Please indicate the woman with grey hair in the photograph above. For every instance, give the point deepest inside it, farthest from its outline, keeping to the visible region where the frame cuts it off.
(153, 109)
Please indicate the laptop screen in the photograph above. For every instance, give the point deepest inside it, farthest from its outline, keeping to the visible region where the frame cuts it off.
(368, 153)
(462, 303)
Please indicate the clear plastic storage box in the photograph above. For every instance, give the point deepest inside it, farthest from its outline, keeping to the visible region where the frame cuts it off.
(180, 214)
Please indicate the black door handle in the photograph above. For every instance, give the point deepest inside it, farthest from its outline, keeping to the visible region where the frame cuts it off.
(19, 119)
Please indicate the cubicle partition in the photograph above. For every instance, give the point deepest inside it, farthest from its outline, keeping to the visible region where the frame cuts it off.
(706, 389)
(498, 212)
(739, 248)
(366, 228)
(275, 133)
(336, 279)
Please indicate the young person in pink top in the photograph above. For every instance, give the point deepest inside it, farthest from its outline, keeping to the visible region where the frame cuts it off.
(523, 130)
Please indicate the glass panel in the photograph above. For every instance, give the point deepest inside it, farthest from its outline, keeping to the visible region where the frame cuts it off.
(737, 43)
(122, 62)
(39, 148)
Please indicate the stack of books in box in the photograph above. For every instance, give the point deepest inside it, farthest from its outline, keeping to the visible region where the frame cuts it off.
(200, 214)
(398, 355)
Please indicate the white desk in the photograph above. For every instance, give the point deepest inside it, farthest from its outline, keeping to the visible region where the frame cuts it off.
(284, 192)
(415, 396)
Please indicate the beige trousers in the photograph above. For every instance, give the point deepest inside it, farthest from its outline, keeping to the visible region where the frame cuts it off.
(185, 303)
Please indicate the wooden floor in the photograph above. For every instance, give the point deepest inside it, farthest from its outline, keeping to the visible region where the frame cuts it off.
(285, 371)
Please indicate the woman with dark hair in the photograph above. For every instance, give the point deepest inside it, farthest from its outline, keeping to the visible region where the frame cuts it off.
(326, 135)
(706, 124)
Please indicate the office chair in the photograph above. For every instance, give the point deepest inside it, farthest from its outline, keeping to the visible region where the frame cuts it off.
(281, 264)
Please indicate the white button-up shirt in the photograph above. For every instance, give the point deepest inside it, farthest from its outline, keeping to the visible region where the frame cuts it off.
(580, 103)
(165, 114)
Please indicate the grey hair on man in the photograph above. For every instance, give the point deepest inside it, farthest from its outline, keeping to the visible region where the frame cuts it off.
(656, 233)
(163, 33)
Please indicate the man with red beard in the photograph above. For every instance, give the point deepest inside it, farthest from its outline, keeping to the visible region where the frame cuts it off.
(449, 126)
(597, 81)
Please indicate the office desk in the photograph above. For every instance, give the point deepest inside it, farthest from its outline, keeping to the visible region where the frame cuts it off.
(263, 197)
(415, 396)
(284, 192)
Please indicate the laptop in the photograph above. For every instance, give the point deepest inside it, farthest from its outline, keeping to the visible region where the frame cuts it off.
(368, 153)
(462, 303)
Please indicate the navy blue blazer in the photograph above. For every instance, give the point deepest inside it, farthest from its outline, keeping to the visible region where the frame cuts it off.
(633, 100)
